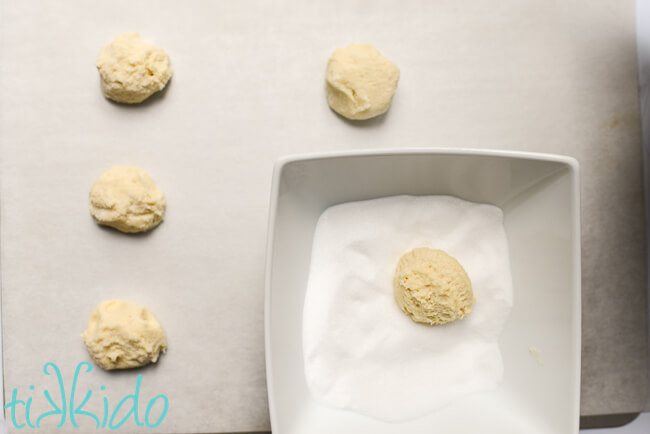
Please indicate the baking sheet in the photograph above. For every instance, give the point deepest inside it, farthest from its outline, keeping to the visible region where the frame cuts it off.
(248, 87)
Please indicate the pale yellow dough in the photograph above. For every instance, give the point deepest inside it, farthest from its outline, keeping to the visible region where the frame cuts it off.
(127, 199)
(432, 287)
(123, 335)
(360, 82)
(131, 70)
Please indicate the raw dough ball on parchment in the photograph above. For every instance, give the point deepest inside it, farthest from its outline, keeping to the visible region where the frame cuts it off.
(131, 70)
(432, 287)
(123, 335)
(127, 199)
(360, 82)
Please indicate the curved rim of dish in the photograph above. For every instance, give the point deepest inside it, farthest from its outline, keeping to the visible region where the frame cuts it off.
(387, 152)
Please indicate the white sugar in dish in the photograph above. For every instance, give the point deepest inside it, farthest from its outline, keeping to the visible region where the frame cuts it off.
(361, 352)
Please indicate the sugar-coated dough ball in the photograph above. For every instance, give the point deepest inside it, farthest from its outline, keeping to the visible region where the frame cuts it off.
(131, 70)
(127, 199)
(360, 82)
(123, 335)
(432, 287)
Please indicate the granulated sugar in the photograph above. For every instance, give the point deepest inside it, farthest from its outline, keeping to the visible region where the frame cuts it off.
(361, 351)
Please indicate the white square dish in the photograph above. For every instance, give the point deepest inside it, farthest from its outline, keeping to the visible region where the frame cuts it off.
(540, 345)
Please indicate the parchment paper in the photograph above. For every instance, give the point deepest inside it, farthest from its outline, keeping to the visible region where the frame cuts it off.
(248, 87)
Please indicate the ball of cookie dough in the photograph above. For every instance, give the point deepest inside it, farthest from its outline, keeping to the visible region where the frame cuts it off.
(360, 82)
(127, 199)
(131, 70)
(123, 335)
(432, 287)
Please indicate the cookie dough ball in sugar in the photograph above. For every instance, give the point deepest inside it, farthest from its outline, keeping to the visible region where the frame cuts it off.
(432, 287)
